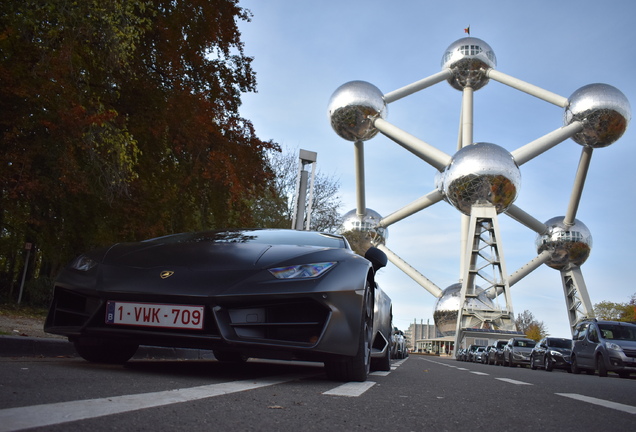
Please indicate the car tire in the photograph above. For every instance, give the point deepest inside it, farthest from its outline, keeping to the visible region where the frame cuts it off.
(548, 363)
(357, 367)
(600, 365)
(532, 365)
(574, 367)
(104, 351)
(511, 363)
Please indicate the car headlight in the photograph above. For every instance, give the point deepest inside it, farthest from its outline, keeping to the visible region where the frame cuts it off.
(556, 353)
(83, 263)
(613, 346)
(301, 271)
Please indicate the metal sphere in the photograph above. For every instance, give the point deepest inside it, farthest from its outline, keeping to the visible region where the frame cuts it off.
(569, 246)
(361, 230)
(353, 106)
(481, 173)
(447, 307)
(469, 58)
(604, 111)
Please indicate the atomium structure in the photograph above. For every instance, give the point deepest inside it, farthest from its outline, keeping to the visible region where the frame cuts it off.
(482, 180)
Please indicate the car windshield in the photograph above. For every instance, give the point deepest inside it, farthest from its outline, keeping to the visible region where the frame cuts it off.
(560, 343)
(275, 237)
(524, 343)
(625, 331)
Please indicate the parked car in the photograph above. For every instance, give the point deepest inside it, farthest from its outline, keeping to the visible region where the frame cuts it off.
(470, 352)
(283, 294)
(606, 346)
(517, 351)
(550, 353)
(398, 347)
(461, 354)
(484, 357)
(478, 354)
(495, 355)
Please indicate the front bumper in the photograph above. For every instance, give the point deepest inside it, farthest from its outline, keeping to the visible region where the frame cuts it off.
(309, 325)
(521, 358)
(622, 363)
(561, 362)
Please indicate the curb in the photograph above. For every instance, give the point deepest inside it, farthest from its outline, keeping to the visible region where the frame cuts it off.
(16, 346)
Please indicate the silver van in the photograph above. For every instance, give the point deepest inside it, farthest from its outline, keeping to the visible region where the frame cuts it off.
(606, 346)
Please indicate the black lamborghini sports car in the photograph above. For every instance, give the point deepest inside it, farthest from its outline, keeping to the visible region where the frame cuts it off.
(279, 294)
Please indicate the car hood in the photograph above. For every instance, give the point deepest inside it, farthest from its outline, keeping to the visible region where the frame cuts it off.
(522, 349)
(203, 255)
(200, 268)
(561, 350)
(624, 344)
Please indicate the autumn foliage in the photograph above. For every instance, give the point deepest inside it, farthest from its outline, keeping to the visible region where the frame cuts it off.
(120, 122)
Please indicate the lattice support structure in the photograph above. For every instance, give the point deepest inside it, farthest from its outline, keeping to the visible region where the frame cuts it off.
(485, 301)
(577, 299)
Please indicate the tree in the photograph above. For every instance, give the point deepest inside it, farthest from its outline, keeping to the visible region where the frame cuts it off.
(528, 324)
(120, 122)
(612, 311)
(276, 208)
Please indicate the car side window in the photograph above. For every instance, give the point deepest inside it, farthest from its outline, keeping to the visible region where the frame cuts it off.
(579, 332)
(592, 334)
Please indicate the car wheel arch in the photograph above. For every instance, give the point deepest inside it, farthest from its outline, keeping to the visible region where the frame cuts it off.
(357, 367)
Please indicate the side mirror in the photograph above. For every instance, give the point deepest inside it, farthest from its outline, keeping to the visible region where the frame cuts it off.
(377, 258)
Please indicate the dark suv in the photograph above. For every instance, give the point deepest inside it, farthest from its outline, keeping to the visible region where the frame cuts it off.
(604, 346)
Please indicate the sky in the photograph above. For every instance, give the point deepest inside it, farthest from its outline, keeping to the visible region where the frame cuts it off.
(303, 51)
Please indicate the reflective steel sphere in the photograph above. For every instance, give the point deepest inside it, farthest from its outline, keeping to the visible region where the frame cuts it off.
(604, 111)
(351, 108)
(469, 59)
(481, 173)
(568, 245)
(447, 307)
(359, 231)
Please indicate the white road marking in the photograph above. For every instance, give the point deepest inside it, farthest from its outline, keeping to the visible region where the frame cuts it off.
(14, 419)
(479, 373)
(398, 363)
(355, 389)
(511, 381)
(608, 404)
(351, 389)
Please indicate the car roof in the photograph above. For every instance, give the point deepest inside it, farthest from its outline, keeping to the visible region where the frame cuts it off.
(615, 322)
(263, 236)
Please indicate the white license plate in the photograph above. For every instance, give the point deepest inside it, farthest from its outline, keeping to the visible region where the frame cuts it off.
(154, 315)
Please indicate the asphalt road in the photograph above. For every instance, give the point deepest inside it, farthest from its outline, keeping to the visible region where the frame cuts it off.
(420, 393)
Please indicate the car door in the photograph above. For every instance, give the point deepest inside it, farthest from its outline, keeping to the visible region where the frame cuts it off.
(587, 347)
(539, 352)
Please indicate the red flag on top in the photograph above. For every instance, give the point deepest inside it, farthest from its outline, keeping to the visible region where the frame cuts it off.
(467, 30)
